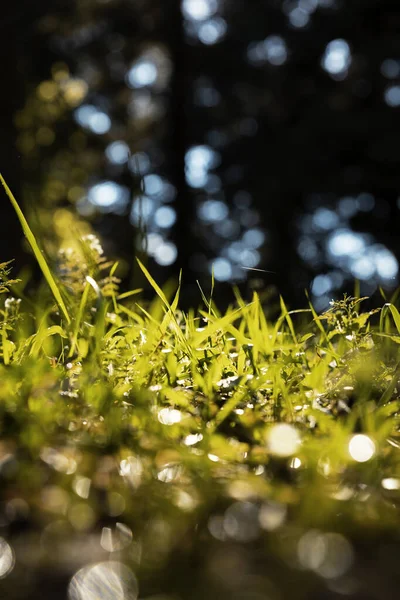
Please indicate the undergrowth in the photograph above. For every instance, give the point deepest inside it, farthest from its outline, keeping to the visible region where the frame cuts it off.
(119, 413)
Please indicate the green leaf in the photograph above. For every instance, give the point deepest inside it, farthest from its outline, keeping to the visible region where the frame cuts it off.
(288, 318)
(130, 293)
(79, 318)
(219, 324)
(37, 252)
(153, 284)
(387, 394)
(42, 335)
(395, 316)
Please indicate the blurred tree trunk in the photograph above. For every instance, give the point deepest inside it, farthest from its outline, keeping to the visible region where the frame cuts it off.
(10, 164)
(16, 27)
(184, 229)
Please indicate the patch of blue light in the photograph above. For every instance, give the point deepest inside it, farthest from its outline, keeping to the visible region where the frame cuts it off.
(344, 242)
(222, 269)
(109, 196)
(198, 162)
(362, 268)
(392, 96)
(159, 188)
(142, 209)
(298, 17)
(165, 217)
(254, 238)
(273, 50)
(385, 262)
(321, 285)
(93, 119)
(325, 219)
(212, 31)
(118, 152)
(211, 211)
(199, 10)
(337, 58)
(139, 163)
(165, 254)
(142, 74)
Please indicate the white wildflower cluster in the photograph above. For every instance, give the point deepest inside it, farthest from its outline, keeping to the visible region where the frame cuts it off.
(12, 304)
(94, 243)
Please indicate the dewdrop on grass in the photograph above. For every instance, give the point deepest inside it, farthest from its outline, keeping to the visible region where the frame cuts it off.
(283, 440)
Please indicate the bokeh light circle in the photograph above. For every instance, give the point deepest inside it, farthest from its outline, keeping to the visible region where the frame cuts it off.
(110, 580)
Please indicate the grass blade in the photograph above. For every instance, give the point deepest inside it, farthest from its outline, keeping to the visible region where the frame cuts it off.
(288, 318)
(79, 318)
(37, 252)
(153, 284)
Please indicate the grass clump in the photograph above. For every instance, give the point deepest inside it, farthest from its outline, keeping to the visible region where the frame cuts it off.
(191, 449)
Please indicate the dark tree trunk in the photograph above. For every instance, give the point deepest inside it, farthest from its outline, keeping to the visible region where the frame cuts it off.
(16, 29)
(184, 233)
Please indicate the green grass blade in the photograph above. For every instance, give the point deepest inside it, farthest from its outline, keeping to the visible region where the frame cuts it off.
(130, 293)
(6, 354)
(37, 252)
(219, 324)
(41, 336)
(396, 316)
(153, 284)
(383, 324)
(318, 323)
(175, 302)
(288, 318)
(79, 318)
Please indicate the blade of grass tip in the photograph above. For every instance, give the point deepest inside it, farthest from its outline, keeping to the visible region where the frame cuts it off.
(207, 304)
(114, 268)
(384, 323)
(396, 316)
(153, 284)
(130, 293)
(382, 293)
(211, 291)
(163, 298)
(175, 301)
(101, 308)
(134, 316)
(288, 319)
(219, 324)
(357, 291)
(111, 276)
(387, 394)
(79, 318)
(37, 252)
(395, 295)
(318, 323)
(203, 296)
(170, 313)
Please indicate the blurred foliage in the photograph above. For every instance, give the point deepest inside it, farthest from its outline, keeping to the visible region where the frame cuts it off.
(240, 135)
(5, 281)
(63, 159)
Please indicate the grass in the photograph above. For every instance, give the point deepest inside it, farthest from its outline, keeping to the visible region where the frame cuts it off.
(169, 435)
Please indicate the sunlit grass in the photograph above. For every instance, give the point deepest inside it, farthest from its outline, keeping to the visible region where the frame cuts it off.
(138, 411)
